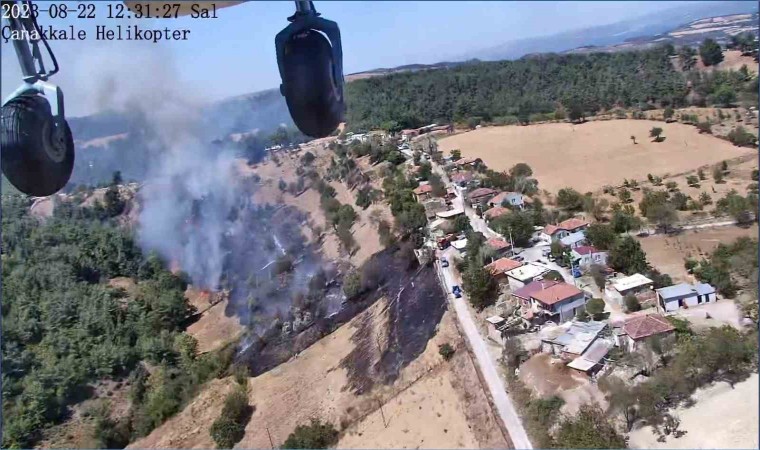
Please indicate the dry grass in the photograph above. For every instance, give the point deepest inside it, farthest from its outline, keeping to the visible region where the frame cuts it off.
(432, 403)
(721, 418)
(667, 253)
(593, 154)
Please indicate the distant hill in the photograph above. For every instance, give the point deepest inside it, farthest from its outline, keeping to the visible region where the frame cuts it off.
(719, 28)
(618, 33)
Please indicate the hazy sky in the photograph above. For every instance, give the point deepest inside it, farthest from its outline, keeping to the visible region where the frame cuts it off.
(235, 54)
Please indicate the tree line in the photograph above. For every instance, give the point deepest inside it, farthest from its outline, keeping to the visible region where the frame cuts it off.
(532, 85)
(65, 327)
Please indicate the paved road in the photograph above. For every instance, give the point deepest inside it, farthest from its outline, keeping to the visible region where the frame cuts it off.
(503, 403)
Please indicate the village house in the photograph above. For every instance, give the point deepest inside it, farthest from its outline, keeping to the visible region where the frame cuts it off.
(579, 343)
(524, 275)
(450, 214)
(636, 331)
(586, 255)
(500, 267)
(434, 206)
(423, 192)
(549, 300)
(496, 211)
(499, 246)
(467, 162)
(481, 196)
(510, 199)
(684, 295)
(556, 232)
(462, 179)
(574, 240)
(637, 285)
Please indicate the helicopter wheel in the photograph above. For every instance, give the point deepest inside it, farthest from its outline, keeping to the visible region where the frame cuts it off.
(313, 97)
(37, 155)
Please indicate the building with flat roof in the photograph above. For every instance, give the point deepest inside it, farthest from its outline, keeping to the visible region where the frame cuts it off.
(683, 295)
(524, 274)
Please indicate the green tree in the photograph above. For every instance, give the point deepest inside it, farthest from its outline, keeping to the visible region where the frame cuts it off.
(710, 52)
(656, 133)
(595, 308)
(601, 236)
(480, 286)
(631, 303)
(229, 428)
(589, 428)
(316, 434)
(446, 351)
(456, 155)
(668, 113)
(724, 96)
(664, 215)
(570, 199)
(627, 256)
(518, 225)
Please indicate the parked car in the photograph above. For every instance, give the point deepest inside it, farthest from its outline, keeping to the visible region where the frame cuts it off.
(457, 291)
(444, 262)
(518, 258)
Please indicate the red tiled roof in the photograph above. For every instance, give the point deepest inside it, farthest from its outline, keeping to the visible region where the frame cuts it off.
(461, 177)
(498, 198)
(556, 293)
(465, 161)
(585, 250)
(644, 326)
(481, 192)
(496, 211)
(531, 288)
(425, 188)
(497, 244)
(502, 265)
(572, 224)
(551, 229)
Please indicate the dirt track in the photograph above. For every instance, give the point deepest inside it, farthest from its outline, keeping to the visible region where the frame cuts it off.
(593, 154)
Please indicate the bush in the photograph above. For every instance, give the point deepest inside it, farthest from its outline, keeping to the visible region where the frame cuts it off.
(595, 308)
(315, 435)
(352, 284)
(741, 137)
(589, 428)
(446, 351)
(704, 127)
(229, 428)
(717, 174)
(632, 303)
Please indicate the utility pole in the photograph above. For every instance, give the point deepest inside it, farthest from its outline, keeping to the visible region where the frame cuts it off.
(385, 424)
(270, 438)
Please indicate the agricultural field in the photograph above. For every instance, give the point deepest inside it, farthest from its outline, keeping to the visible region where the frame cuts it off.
(597, 153)
(667, 253)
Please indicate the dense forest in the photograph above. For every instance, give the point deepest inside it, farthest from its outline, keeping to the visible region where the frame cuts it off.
(537, 84)
(64, 327)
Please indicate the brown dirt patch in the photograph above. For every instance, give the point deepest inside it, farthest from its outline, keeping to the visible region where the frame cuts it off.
(593, 154)
(667, 253)
(215, 328)
(547, 377)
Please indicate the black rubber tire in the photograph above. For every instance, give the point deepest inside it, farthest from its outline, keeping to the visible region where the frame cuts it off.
(26, 131)
(314, 100)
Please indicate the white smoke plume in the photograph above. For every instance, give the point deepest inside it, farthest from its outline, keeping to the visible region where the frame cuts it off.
(191, 185)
